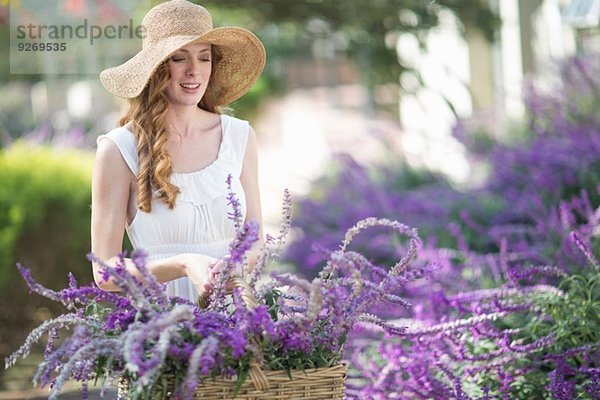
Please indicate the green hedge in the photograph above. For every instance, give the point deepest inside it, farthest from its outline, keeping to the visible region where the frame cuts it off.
(45, 197)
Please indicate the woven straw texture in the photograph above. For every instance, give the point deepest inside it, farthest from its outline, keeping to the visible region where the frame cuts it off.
(312, 384)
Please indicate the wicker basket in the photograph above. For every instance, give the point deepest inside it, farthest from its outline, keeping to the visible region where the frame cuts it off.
(309, 384)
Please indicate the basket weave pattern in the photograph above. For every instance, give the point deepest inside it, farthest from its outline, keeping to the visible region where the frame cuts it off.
(310, 384)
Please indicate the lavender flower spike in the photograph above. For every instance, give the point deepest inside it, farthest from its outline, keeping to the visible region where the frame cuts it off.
(389, 328)
(238, 248)
(191, 379)
(267, 255)
(157, 289)
(286, 222)
(126, 282)
(411, 233)
(585, 249)
(458, 324)
(486, 294)
(539, 344)
(36, 287)
(37, 333)
(95, 349)
(315, 301)
(261, 262)
(232, 200)
(162, 326)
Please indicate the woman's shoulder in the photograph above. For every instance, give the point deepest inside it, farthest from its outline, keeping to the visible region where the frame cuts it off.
(237, 131)
(235, 122)
(125, 142)
(120, 133)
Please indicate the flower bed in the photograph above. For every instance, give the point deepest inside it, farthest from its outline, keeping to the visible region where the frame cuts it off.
(511, 307)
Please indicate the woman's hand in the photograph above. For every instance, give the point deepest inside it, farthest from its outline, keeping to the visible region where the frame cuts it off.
(203, 271)
(218, 268)
(198, 267)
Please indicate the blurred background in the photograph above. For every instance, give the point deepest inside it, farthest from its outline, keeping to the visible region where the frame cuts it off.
(417, 90)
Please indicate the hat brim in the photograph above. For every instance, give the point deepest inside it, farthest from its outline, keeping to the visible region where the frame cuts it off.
(242, 61)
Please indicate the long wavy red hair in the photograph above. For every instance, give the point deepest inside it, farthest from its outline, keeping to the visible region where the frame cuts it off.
(147, 112)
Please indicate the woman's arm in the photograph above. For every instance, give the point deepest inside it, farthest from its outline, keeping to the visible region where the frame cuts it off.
(111, 187)
(249, 180)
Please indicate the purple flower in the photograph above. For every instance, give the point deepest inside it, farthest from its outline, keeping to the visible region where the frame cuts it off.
(202, 359)
(585, 249)
(237, 341)
(236, 215)
(561, 387)
(146, 361)
(293, 337)
(50, 325)
(243, 241)
(90, 351)
(592, 387)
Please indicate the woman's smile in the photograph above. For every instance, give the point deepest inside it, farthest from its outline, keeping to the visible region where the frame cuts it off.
(190, 87)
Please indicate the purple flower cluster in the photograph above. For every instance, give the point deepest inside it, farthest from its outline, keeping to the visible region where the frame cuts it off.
(511, 342)
(141, 335)
(505, 285)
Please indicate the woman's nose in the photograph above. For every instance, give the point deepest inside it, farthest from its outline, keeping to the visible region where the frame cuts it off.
(193, 68)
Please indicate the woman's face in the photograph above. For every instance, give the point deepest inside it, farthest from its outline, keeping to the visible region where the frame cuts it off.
(190, 68)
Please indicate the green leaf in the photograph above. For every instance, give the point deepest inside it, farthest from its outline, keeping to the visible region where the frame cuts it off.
(271, 300)
(241, 378)
(91, 309)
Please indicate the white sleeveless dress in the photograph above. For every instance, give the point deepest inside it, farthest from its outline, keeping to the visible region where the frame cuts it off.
(199, 223)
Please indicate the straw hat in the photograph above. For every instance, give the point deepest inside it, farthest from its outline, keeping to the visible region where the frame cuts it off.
(175, 23)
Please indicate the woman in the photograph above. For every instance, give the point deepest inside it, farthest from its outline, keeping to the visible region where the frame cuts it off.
(161, 176)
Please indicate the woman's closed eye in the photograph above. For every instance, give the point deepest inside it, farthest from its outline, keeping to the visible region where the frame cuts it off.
(179, 59)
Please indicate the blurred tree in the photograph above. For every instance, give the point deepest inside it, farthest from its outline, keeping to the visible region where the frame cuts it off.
(362, 30)
(365, 30)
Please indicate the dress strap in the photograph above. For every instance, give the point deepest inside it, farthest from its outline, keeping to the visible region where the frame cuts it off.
(125, 141)
(238, 131)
